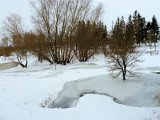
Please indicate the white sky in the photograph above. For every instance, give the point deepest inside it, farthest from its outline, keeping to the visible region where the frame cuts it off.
(112, 9)
(115, 8)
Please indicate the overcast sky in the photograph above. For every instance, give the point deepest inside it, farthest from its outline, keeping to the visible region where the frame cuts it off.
(112, 9)
(115, 8)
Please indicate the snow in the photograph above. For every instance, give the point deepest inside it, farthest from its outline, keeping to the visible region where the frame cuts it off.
(25, 93)
(4, 59)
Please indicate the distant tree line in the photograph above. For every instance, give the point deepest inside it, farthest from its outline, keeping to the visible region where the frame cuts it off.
(145, 32)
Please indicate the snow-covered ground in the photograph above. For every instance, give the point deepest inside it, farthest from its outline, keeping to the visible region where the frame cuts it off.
(24, 92)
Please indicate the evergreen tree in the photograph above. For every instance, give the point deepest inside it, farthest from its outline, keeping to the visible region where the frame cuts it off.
(136, 25)
(154, 30)
(142, 33)
(129, 33)
(139, 28)
(148, 31)
(89, 38)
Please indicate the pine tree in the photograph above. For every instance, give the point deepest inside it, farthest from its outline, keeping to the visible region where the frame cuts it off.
(139, 28)
(89, 38)
(136, 25)
(148, 31)
(154, 31)
(129, 34)
(142, 33)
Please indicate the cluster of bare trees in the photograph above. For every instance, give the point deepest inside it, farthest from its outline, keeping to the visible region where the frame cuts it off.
(58, 20)
(56, 29)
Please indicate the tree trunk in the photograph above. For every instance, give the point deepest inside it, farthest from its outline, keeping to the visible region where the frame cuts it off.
(124, 70)
(155, 46)
(124, 75)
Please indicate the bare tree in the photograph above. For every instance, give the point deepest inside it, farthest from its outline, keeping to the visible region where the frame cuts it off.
(57, 20)
(14, 28)
(121, 51)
